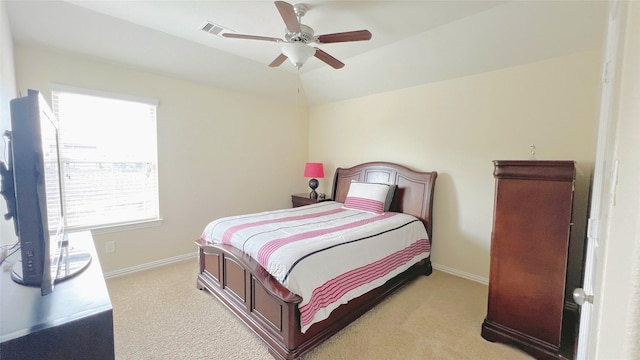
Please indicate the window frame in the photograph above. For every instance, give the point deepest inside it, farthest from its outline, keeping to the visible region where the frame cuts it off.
(122, 225)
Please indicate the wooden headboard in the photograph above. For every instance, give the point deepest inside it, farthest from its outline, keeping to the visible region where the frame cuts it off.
(414, 194)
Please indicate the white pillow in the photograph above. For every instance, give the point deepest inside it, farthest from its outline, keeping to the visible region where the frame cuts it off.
(369, 197)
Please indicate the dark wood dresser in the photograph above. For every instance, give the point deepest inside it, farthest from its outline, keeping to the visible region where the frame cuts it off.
(73, 322)
(532, 222)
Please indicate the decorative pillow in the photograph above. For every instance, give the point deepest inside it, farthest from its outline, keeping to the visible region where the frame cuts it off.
(369, 197)
(389, 200)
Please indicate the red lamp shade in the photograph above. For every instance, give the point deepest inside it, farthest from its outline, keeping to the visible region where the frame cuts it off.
(314, 170)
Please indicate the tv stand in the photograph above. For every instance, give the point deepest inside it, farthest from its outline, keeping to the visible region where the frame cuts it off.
(72, 262)
(75, 321)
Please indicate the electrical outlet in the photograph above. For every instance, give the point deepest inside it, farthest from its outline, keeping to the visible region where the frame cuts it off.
(109, 246)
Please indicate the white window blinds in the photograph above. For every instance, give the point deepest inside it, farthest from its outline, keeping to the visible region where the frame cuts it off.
(108, 152)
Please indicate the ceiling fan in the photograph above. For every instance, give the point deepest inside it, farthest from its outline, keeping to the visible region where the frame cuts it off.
(298, 37)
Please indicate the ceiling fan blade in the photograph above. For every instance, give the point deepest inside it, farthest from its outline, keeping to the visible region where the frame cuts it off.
(288, 15)
(358, 35)
(251, 37)
(328, 59)
(278, 61)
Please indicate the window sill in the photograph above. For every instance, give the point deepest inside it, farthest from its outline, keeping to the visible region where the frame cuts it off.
(118, 227)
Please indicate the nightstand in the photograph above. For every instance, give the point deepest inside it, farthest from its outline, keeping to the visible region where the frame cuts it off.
(303, 199)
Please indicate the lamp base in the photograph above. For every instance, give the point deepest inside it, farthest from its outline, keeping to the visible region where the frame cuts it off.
(313, 184)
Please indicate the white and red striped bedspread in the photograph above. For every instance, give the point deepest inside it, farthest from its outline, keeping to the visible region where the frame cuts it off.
(326, 254)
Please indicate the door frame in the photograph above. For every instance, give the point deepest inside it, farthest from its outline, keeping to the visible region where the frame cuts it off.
(604, 182)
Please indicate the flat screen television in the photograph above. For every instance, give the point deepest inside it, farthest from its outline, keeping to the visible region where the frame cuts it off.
(31, 186)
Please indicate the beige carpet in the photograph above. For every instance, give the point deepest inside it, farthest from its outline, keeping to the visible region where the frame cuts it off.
(160, 314)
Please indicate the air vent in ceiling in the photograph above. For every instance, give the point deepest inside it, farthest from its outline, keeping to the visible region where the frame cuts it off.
(213, 28)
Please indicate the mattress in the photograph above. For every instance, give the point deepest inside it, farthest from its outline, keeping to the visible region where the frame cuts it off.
(325, 253)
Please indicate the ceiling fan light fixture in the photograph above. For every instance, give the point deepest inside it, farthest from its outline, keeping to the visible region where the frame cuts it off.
(298, 53)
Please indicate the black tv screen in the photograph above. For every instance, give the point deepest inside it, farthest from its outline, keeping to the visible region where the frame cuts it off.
(32, 188)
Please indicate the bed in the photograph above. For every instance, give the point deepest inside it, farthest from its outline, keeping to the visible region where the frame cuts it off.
(271, 310)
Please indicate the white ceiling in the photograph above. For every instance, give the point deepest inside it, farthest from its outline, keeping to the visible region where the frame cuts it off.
(413, 42)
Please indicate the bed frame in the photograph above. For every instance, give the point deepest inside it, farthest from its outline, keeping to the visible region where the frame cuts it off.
(270, 310)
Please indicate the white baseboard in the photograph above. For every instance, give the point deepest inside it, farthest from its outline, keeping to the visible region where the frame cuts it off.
(461, 274)
(150, 265)
(174, 259)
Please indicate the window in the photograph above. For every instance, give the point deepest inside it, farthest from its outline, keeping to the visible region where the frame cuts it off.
(108, 153)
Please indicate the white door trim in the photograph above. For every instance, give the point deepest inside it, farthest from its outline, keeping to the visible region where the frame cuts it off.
(603, 188)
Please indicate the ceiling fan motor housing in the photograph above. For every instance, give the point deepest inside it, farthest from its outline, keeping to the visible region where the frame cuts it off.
(306, 35)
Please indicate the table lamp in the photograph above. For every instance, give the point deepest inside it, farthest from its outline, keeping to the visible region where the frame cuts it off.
(313, 170)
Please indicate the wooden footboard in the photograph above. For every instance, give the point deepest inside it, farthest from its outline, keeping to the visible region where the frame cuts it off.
(270, 310)
(267, 307)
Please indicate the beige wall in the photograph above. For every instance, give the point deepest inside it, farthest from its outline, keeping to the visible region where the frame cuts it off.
(457, 127)
(219, 152)
(7, 92)
(552, 104)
